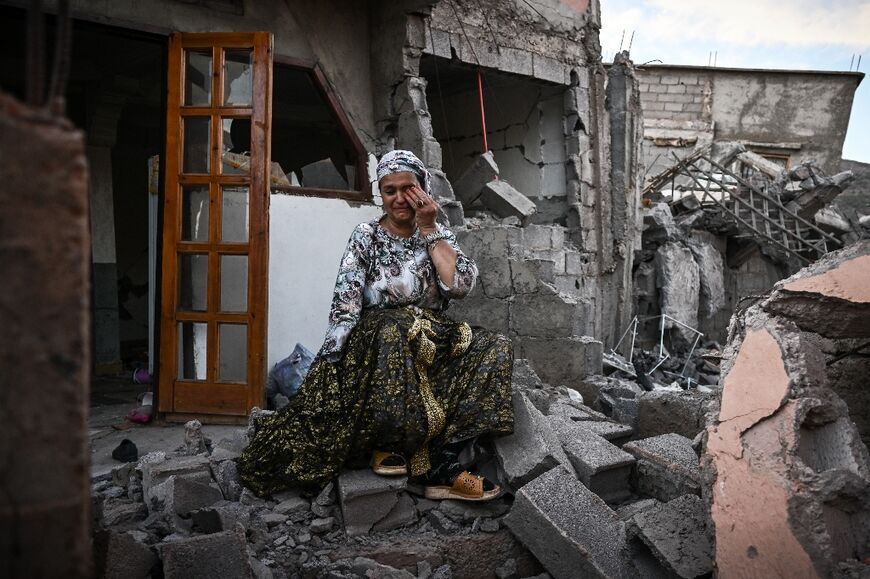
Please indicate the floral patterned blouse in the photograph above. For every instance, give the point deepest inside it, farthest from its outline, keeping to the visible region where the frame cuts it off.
(382, 270)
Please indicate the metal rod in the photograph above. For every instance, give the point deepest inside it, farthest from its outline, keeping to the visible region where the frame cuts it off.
(689, 357)
(776, 202)
(35, 54)
(724, 208)
(482, 111)
(661, 361)
(754, 211)
(633, 337)
(60, 70)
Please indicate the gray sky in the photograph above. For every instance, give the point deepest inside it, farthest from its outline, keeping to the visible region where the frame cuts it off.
(798, 34)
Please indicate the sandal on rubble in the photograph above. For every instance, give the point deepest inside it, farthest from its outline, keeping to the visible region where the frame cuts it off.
(465, 487)
(388, 464)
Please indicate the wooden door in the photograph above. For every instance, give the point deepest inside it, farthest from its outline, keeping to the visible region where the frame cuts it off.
(215, 226)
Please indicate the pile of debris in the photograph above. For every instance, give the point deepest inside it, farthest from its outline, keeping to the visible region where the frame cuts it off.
(710, 213)
(186, 513)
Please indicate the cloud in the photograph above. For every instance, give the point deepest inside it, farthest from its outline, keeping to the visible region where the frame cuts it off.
(799, 23)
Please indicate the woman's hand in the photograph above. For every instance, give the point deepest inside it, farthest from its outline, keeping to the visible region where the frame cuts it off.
(425, 209)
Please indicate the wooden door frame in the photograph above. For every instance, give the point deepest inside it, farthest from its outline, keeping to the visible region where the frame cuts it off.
(216, 400)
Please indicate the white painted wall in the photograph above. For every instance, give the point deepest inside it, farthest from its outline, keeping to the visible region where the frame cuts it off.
(307, 237)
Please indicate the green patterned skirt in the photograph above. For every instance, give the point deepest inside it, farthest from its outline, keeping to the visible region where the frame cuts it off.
(410, 381)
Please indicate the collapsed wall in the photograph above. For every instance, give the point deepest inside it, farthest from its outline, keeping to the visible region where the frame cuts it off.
(569, 163)
(786, 474)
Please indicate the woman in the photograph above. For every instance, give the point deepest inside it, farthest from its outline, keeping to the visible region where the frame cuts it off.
(396, 378)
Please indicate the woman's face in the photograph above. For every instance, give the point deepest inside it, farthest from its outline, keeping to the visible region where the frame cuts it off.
(394, 187)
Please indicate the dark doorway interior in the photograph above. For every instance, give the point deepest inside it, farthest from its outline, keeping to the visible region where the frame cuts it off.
(116, 96)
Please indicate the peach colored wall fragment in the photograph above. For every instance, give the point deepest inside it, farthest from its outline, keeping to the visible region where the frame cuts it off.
(750, 504)
(850, 281)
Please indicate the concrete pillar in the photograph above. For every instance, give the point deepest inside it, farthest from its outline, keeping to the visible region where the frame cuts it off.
(45, 352)
(107, 346)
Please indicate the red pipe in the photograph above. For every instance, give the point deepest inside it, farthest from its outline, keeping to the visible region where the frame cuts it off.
(482, 112)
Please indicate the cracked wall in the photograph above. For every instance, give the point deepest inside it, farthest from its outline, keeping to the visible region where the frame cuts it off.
(787, 476)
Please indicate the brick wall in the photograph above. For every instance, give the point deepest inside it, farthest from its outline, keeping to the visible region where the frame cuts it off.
(675, 95)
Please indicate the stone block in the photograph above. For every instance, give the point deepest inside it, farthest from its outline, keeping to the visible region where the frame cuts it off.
(532, 449)
(661, 412)
(561, 360)
(678, 534)
(207, 556)
(366, 499)
(504, 200)
(667, 466)
(121, 556)
(569, 529)
(470, 184)
(195, 468)
(601, 466)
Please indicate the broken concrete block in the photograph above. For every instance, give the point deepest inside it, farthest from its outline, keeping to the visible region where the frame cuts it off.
(546, 314)
(711, 272)
(658, 224)
(592, 386)
(191, 467)
(403, 513)
(226, 473)
(194, 443)
(678, 279)
(469, 186)
(504, 200)
(121, 556)
(830, 297)
(663, 411)
(601, 466)
(365, 567)
(292, 505)
(119, 511)
(207, 556)
(180, 495)
(568, 528)
(367, 498)
(561, 360)
(221, 516)
(613, 432)
(667, 466)
(532, 449)
(678, 534)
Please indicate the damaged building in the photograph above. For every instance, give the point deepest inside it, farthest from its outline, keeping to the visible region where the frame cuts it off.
(686, 300)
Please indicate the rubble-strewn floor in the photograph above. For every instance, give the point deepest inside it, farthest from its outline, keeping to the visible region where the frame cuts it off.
(176, 513)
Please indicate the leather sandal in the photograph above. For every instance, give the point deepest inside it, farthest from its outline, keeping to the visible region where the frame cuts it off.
(388, 463)
(466, 487)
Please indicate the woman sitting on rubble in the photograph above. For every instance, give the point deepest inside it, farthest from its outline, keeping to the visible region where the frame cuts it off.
(396, 379)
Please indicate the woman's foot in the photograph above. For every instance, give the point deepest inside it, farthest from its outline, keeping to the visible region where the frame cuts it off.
(388, 464)
(465, 486)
